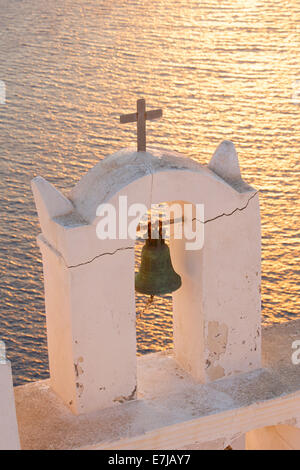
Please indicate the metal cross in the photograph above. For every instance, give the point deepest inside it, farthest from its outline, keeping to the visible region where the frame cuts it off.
(140, 117)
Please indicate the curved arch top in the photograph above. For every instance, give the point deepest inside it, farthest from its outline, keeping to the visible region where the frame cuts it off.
(119, 170)
(144, 177)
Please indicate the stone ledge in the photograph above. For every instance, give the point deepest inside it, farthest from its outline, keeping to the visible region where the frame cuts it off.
(172, 411)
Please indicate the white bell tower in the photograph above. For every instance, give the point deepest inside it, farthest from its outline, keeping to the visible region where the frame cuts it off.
(89, 283)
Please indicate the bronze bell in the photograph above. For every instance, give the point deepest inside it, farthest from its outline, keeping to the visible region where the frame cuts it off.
(156, 275)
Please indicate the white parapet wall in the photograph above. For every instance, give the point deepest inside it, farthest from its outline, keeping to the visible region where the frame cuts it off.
(173, 411)
(9, 435)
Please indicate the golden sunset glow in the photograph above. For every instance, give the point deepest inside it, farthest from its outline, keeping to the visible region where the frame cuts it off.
(219, 69)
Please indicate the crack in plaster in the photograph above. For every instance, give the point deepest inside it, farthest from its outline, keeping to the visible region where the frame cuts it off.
(131, 248)
(227, 215)
(118, 249)
(45, 241)
(205, 222)
(99, 256)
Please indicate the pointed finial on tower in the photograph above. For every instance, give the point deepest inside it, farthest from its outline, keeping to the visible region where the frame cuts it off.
(225, 162)
(50, 203)
(48, 199)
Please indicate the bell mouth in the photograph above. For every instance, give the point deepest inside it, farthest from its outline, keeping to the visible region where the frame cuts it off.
(156, 290)
(156, 276)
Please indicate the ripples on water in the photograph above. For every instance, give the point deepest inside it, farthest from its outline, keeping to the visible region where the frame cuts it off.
(220, 69)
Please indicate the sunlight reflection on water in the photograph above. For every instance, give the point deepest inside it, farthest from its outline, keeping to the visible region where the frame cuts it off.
(218, 69)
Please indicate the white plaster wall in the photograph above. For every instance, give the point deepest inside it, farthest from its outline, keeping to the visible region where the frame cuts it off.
(91, 329)
(80, 244)
(188, 314)
(231, 293)
(217, 320)
(204, 187)
(9, 436)
(104, 332)
(280, 437)
(59, 324)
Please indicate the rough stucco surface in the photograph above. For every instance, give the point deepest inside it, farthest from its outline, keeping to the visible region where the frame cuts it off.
(171, 407)
(216, 343)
